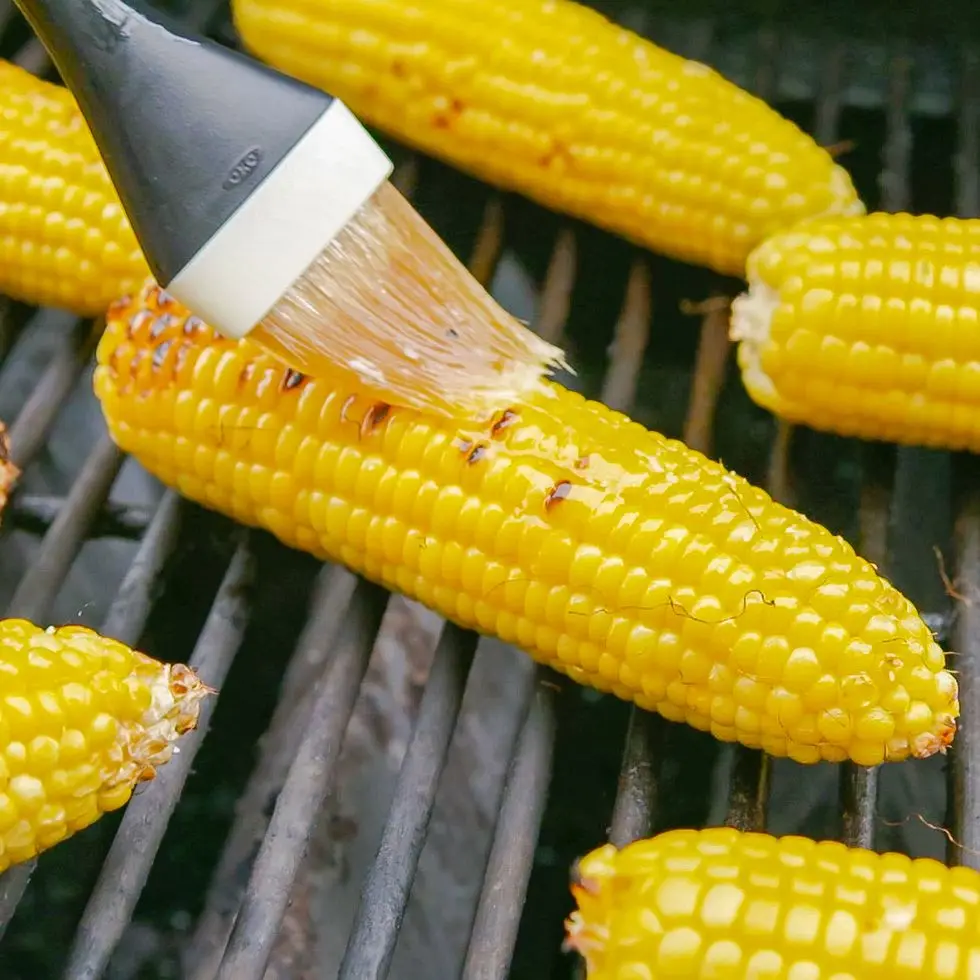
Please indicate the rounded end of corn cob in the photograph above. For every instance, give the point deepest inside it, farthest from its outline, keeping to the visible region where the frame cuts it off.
(724, 903)
(176, 693)
(83, 720)
(751, 324)
(867, 326)
(587, 928)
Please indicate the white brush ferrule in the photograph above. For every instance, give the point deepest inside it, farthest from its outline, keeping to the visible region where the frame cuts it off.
(257, 255)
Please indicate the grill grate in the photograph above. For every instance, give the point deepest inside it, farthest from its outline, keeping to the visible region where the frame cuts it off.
(919, 103)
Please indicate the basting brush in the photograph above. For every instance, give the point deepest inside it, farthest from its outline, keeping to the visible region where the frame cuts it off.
(265, 207)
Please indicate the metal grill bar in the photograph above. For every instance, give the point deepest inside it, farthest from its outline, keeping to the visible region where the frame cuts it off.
(331, 598)
(636, 797)
(963, 799)
(67, 534)
(304, 791)
(127, 866)
(35, 513)
(499, 913)
(33, 425)
(386, 891)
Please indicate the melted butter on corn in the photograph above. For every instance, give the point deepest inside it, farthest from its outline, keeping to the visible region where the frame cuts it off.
(869, 327)
(551, 99)
(83, 719)
(615, 555)
(719, 903)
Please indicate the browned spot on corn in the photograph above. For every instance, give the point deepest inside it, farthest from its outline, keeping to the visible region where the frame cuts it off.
(373, 417)
(9, 471)
(137, 322)
(292, 380)
(507, 418)
(160, 354)
(346, 407)
(160, 324)
(160, 299)
(557, 493)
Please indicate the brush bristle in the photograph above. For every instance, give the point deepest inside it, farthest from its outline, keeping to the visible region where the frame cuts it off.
(389, 303)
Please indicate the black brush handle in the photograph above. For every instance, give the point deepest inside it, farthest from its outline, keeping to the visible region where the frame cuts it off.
(187, 128)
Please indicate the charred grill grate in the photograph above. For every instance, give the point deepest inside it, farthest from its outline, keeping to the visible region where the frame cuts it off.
(295, 665)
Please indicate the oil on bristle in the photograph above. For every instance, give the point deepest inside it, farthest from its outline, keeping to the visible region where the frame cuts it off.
(388, 306)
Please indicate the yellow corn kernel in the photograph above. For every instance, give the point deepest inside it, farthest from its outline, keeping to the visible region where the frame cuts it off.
(65, 240)
(719, 903)
(869, 327)
(615, 555)
(83, 719)
(550, 99)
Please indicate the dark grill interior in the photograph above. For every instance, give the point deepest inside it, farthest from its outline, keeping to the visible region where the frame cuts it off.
(440, 781)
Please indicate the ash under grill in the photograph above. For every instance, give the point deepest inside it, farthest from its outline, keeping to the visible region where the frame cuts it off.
(446, 786)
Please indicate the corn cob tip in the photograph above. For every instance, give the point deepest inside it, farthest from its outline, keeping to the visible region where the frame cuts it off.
(938, 741)
(586, 931)
(751, 323)
(9, 471)
(721, 902)
(867, 326)
(176, 696)
(83, 720)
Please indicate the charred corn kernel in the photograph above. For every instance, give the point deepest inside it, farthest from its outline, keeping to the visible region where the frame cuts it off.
(9, 471)
(65, 240)
(614, 554)
(869, 327)
(550, 99)
(83, 719)
(722, 904)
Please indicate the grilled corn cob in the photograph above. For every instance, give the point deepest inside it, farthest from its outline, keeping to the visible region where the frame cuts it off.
(83, 719)
(65, 240)
(550, 99)
(717, 904)
(867, 326)
(611, 553)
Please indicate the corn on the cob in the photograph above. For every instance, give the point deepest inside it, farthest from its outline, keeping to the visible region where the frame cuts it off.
(83, 719)
(717, 904)
(867, 326)
(612, 553)
(548, 98)
(65, 240)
